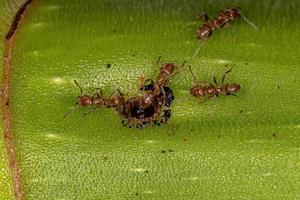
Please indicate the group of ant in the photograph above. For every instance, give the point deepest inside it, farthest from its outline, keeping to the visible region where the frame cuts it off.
(153, 107)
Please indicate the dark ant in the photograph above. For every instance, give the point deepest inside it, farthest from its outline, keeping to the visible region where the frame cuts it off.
(153, 106)
(97, 100)
(221, 21)
(139, 115)
(140, 111)
(209, 90)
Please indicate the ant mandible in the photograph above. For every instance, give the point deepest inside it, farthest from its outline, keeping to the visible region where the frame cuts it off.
(209, 90)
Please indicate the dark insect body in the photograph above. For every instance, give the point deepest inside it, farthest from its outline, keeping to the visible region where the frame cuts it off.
(153, 106)
(208, 90)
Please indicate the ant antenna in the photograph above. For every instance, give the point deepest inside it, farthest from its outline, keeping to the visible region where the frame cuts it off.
(228, 71)
(193, 75)
(183, 63)
(81, 90)
(249, 22)
(158, 60)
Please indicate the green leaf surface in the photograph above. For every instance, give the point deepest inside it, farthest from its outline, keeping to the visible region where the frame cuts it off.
(244, 147)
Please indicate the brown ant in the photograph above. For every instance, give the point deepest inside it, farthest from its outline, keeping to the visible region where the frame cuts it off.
(97, 100)
(210, 90)
(153, 106)
(221, 21)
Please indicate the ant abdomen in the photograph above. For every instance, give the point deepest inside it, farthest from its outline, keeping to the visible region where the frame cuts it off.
(232, 88)
(197, 91)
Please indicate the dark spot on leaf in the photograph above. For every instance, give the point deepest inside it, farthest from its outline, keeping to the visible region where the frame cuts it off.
(163, 151)
(147, 171)
(171, 150)
(108, 65)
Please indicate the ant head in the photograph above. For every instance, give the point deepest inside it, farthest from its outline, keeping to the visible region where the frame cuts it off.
(233, 88)
(85, 100)
(169, 67)
(204, 32)
(235, 12)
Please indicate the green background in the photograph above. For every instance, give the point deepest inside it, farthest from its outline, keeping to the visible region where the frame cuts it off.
(244, 147)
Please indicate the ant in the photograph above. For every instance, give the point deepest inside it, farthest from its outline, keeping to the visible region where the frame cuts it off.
(221, 21)
(97, 100)
(147, 109)
(210, 90)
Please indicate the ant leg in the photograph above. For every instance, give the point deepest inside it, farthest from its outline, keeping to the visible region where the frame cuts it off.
(229, 30)
(193, 75)
(71, 110)
(215, 80)
(198, 49)
(210, 108)
(158, 60)
(204, 100)
(183, 63)
(224, 75)
(90, 111)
